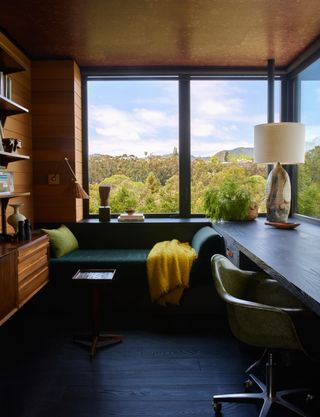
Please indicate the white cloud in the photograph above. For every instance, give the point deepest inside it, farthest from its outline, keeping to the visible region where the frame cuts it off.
(115, 131)
(220, 120)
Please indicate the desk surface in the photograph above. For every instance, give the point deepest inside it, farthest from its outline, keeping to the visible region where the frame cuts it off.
(290, 256)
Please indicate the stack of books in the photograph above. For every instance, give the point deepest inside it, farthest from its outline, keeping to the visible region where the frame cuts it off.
(125, 217)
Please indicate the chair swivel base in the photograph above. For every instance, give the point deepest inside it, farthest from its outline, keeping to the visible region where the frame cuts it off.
(264, 396)
(95, 342)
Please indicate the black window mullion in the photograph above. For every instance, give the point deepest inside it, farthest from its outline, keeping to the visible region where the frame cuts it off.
(85, 139)
(184, 147)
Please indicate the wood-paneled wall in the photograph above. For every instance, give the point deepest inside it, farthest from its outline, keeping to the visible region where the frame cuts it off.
(19, 126)
(56, 125)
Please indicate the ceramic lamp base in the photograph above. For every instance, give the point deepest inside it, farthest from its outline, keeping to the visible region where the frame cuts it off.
(278, 195)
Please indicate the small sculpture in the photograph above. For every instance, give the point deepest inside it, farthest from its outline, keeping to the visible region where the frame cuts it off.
(11, 144)
(104, 209)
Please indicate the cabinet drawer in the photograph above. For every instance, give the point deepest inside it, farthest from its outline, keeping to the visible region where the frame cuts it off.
(32, 284)
(232, 251)
(31, 264)
(29, 249)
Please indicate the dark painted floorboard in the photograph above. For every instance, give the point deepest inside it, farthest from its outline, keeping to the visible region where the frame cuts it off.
(153, 373)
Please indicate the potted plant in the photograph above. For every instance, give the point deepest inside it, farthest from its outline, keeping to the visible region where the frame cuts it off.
(230, 200)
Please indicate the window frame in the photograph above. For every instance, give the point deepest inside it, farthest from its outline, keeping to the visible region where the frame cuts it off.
(294, 112)
(184, 77)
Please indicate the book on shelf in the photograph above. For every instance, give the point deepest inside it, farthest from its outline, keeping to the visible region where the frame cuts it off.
(6, 181)
(125, 217)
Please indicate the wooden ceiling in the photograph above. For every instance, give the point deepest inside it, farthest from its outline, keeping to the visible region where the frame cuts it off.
(241, 33)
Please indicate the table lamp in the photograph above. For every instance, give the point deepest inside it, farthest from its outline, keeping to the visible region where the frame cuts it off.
(279, 143)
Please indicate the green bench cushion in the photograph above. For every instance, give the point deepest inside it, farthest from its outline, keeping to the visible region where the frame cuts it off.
(127, 262)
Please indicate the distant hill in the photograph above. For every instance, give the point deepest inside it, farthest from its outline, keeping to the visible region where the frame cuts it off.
(222, 155)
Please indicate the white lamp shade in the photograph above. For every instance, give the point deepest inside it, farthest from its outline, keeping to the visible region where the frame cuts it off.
(279, 142)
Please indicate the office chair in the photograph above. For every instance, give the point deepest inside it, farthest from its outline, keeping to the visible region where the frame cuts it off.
(260, 314)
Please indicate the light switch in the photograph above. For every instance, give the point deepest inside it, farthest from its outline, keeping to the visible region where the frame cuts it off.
(53, 179)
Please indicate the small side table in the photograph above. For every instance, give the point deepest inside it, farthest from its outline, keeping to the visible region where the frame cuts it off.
(96, 278)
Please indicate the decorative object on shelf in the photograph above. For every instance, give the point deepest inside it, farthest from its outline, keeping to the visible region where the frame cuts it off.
(279, 143)
(78, 190)
(6, 181)
(5, 85)
(27, 229)
(231, 200)
(16, 216)
(280, 225)
(11, 144)
(134, 217)
(104, 208)
(130, 211)
(21, 232)
(8, 86)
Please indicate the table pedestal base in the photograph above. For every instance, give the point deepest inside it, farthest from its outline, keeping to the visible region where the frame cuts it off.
(98, 341)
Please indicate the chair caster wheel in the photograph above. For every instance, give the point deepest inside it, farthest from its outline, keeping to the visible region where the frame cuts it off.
(248, 384)
(310, 398)
(217, 408)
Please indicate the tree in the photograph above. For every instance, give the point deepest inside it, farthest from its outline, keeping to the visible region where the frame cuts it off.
(122, 199)
(308, 201)
(169, 196)
(153, 183)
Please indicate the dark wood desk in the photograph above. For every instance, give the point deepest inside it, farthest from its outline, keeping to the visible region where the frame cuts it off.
(290, 256)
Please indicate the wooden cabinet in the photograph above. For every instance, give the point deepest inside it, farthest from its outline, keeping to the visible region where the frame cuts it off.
(33, 272)
(23, 272)
(8, 285)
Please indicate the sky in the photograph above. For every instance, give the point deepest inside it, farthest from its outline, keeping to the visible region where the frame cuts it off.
(141, 117)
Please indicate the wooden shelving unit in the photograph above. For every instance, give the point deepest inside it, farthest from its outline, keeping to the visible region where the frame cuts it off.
(9, 65)
(6, 157)
(23, 264)
(8, 108)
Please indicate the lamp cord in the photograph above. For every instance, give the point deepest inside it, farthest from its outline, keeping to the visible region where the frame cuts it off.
(72, 172)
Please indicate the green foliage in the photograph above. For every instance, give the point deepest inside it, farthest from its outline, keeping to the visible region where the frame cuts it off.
(229, 201)
(309, 184)
(151, 184)
(123, 199)
(169, 196)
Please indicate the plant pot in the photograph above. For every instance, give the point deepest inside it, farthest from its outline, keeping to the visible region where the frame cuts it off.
(253, 211)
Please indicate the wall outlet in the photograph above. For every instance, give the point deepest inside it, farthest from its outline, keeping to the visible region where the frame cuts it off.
(53, 179)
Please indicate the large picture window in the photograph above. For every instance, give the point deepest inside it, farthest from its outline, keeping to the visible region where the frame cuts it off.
(138, 132)
(223, 114)
(308, 198)
(133, 144)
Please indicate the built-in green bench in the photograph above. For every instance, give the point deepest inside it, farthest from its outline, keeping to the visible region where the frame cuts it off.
(125, 247)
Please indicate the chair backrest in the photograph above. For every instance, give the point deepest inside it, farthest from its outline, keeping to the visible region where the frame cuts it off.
(252, 320)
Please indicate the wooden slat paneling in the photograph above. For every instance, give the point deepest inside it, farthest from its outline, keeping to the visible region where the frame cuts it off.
(56, 126)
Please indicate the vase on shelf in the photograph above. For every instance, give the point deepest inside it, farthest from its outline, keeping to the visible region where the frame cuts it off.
(16, 216)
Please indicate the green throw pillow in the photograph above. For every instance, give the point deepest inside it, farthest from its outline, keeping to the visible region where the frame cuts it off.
(62, 241)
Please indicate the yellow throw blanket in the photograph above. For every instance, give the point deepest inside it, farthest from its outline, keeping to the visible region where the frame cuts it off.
(168, 265)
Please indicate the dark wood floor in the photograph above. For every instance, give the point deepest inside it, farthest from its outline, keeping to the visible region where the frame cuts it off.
(155, 372)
